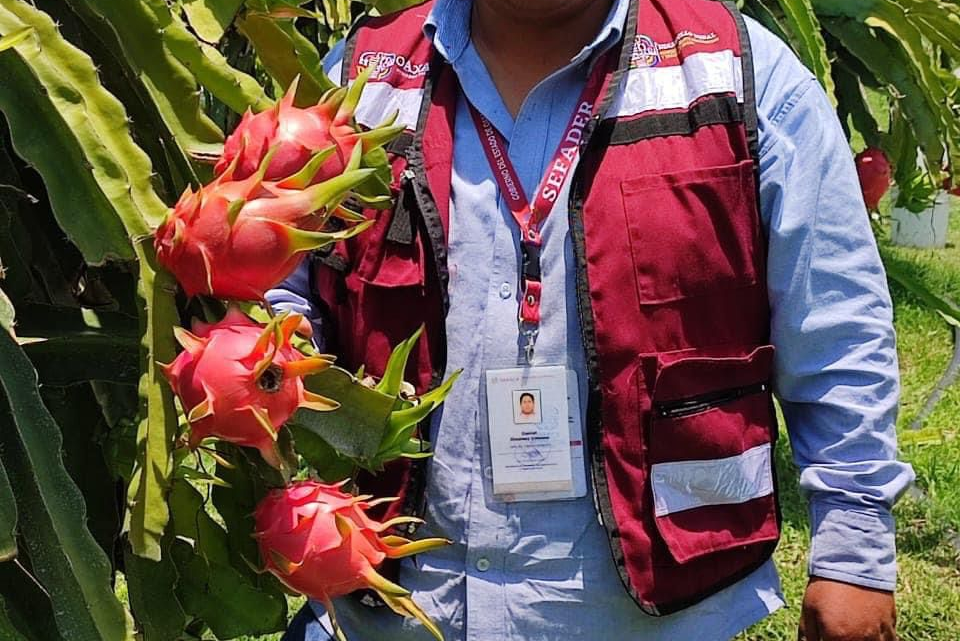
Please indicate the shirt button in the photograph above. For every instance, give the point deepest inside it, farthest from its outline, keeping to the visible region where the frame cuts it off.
(483, 564)
(506, 291)
(488, 472)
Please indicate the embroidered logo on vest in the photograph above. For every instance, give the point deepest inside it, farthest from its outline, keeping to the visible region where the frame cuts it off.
(385, 63)
(648, 53)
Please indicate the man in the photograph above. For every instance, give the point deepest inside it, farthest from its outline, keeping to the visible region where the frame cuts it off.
(620, 136)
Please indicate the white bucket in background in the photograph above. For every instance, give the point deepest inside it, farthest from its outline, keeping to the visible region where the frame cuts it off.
(926, 229)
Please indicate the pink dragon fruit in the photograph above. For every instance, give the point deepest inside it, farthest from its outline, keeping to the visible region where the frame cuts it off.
(238, 238)
(296, 135)
(874, 171)
(240, 381)
(319, 541)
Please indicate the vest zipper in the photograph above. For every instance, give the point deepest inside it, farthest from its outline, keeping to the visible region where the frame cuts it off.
(702, 402)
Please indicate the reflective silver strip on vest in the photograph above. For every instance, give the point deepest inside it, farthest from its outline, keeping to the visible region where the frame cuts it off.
(679, 86)
(379, 100)
(685, 485)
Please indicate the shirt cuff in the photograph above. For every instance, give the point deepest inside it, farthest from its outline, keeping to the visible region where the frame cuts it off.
(284, 300)
(853, 545)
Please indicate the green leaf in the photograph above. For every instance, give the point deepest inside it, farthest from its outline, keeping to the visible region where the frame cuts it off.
(66, 558)
(384, 7)
(7, 313)
(758, 10)
(237, 503)
(15, 38)
(286, 54)
(219, 595)
(53, 126)
(158, 427)
(137, 27)
(804, 27)
(210, 18)
(227, 599)
(7, 630)
(74, 357)
(885, 59)
(151, 586)
(76, 411)
(8, 518)
(853, 104)
(392, 380)
(96, 119)
(356, 428)
(326, 462)
(234, 88)
(26, 606)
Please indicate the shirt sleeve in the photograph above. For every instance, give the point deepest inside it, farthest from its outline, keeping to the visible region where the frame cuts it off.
(836, 372)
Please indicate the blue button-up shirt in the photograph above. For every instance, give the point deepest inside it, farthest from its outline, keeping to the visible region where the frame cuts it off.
(543, 570)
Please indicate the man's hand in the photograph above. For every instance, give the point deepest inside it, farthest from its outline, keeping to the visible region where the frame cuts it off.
(835, 611)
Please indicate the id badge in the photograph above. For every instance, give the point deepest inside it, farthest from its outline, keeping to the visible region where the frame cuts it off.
(535, 443)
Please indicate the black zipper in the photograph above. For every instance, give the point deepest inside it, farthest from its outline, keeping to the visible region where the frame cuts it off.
(702, 402)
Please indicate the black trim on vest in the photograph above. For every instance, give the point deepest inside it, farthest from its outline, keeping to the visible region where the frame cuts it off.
(349, 48)
(750, 118)
(400, 144)
(415, 498)
(593, 427)
(401, 228)
(714, 110)
(417, 173)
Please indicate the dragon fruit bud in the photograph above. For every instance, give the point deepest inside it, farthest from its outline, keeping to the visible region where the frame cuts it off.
(299, 134)
(319, 541)
(239, 381)
(238, 238)
(874, 171)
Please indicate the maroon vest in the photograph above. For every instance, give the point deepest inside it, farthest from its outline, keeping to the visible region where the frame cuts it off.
(671, 286)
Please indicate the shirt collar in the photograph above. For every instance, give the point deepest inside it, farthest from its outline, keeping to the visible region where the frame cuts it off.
(448, 27)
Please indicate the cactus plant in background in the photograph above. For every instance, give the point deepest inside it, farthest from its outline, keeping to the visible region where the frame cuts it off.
(113, 108)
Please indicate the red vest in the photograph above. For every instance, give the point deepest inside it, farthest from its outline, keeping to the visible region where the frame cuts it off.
(671, 286)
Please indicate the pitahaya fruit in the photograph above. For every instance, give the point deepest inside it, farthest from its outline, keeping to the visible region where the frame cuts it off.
(298, 134)
(875, 172)
(238, 238)
(240, 381)
(319, 541)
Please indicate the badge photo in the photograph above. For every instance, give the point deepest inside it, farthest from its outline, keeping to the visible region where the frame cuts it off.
(526, 406)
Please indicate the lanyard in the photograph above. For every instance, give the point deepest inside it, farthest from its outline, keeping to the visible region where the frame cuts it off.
(530, 218)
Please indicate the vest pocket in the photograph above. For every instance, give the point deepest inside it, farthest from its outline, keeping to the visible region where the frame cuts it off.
(693, 232)
(710, 453)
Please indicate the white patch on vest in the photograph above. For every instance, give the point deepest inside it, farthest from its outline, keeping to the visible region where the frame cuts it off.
(380, 99)
(679, 86)
(685, 485)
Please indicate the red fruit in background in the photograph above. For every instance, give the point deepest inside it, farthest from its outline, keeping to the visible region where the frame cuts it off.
(875, 174)
(240, 381)
(295, 135)
(319, 541)
(238, 238)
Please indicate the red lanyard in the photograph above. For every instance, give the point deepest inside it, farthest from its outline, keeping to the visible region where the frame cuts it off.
(529, 218)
